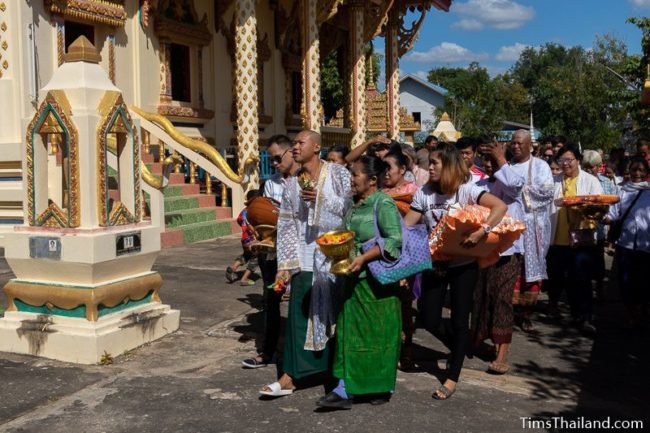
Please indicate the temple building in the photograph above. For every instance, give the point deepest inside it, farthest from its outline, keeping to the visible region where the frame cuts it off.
(206, 83)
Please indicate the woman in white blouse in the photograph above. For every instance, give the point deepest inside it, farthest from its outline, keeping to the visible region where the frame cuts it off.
(633, 245)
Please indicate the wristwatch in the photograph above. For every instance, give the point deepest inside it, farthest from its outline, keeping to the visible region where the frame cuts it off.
(487, 228)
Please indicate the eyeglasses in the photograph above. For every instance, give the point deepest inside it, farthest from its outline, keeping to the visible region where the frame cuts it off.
(278, 158)
(566, 160)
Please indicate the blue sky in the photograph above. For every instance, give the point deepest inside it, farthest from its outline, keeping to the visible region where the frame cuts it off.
(493, 32)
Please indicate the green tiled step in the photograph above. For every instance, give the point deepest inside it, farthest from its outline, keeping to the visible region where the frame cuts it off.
(206, 230)
(189, 216)
(173, 204)
(181, 190)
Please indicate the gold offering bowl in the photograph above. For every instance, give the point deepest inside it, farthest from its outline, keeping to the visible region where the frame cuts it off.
(591, 214)
(265, 238)
(338, 252)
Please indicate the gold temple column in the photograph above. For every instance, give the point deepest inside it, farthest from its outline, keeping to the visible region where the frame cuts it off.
(246, 87)
(311, 109)
(357, 75)
(392, 76)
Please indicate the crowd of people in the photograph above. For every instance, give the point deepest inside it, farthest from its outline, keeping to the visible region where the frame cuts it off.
(354, 332)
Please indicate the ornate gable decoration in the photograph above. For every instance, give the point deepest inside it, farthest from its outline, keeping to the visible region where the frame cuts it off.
(109, 12)
(177, 21)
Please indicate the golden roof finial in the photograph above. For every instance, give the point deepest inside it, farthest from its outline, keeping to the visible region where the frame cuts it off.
(445, 117)
(82, 50)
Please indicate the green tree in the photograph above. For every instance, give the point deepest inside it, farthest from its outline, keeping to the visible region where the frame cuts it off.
(634, 69)
(478, 103)
(332, 90)
(572, 90)
(332, 94)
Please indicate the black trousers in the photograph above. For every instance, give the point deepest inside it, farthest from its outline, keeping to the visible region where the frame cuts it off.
(462, 281)
(632, 275)
(269, 269)
(573, 269)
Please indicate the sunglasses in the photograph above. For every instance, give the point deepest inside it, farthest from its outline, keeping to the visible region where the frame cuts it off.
(278, 158)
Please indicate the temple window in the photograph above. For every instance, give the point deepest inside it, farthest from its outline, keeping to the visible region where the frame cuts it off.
(181, 72)
(296, 92)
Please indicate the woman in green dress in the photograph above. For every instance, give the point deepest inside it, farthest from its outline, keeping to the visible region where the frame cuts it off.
(368, 329)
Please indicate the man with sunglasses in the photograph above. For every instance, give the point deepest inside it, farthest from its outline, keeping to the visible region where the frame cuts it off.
(279, 151)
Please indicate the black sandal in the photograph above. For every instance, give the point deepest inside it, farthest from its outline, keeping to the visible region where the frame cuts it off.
(446, 392)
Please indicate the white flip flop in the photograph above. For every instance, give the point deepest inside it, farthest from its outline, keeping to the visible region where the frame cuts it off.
(276, 390)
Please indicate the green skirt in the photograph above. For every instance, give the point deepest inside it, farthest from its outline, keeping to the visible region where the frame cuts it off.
(368, 337)
(298, 362)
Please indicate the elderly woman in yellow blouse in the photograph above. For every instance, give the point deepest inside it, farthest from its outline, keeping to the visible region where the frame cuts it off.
(570, 263)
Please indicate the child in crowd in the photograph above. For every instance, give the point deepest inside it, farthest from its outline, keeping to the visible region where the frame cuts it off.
(247, 258)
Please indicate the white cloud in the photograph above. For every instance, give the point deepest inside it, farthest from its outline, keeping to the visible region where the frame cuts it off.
(446, 52)
(510, 53)
(500, 14)
(641, 3)
(468, 24)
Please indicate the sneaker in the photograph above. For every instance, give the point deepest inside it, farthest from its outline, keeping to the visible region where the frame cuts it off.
(230, 275)
(334, 401)
(254, 363)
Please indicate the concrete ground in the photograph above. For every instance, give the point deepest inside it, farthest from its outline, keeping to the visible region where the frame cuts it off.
(192, 381)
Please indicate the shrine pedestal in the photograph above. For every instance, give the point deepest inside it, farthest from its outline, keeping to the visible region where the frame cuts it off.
(81, 341)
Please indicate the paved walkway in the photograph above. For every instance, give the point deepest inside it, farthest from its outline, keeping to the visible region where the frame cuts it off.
(192, 381)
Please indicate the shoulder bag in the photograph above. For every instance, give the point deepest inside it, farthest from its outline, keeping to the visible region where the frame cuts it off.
(616, 228)
(414, 258)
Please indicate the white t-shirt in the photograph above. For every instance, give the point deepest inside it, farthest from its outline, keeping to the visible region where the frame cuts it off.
(434, 206)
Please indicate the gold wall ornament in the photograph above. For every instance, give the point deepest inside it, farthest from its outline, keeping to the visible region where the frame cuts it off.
(408, 36)
(327, 9)
(111, 57)
(53, 217)
(55, 143)
(198, 146)
(109, 295)
(109, 12)
(54, 108)
(3, 7)
(181, 111)
(376, 17)
(177, 21)
(115, 118)
(120, 215)
(60, 39)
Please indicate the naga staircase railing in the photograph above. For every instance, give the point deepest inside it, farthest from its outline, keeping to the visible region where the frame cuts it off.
(198, 154)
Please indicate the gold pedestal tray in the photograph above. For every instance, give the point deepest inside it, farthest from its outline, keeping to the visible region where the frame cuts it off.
(337, 246)
(265, 236)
